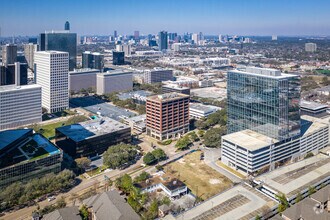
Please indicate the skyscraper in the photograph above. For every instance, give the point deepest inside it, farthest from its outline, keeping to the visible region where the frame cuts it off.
(60, 41)
(265, 101)
(118, 58)
(162, 41)
(12, 72)
(127, 49)
(115, 34)
(67, 26)
(29, 50)
(136, 35)
(92, 60)
(52, 70)
(9, 54)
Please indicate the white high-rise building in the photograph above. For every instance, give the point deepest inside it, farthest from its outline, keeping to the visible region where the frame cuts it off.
(310, 47)
(19, 105)
(119, 48)
(274, 37)
(52, 71)
(127, 49)
(195, 38)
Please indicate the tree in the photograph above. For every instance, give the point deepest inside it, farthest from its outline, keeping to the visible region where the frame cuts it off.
(61, 203)
(284, 204)
(298, 197)
(118, 155)
(149, 158)
(311, 190)
(142, 177)
(83, 211)
(212, 137)
(83, 163)
(152, 212)
(124, 183)
(159, 154)
(193, 136)
(258, 217)
(325, 81)
(183, 143)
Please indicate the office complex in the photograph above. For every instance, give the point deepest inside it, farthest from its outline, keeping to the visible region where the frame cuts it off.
(162, 41)
(157, 75)
(80, 79)
(19, 105)
(310, 47)
(52, 68)
(127, 49)
(9, 54)
(114, 81)
(264, 100)
(167, 115)
(264, 124)
(29, 50)
(313, 108)
(93, 60)
(118, 57)
(24, 155)
(60, 41)
(91, 138)
(67, 26)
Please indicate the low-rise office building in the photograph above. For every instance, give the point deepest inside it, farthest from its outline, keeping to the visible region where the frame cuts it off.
(167, 115)
(198, 111)
(250, 151)
(157, 75)
(313, 108)
(19, 105)
(137, 123)
(91, 138)
(167, 88)
(114, 81)
(82, 79)
(24, 155)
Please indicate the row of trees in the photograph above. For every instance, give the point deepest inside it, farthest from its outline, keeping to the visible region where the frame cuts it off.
(21, 193)
(217, 118)
(128, 103)
(119, 155)
(154, 156)
(184, 142)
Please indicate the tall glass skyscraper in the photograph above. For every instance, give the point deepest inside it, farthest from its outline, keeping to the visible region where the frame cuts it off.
(162, 41)
(60, 41)
(264, 100)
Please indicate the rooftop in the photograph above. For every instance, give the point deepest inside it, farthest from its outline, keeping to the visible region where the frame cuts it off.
(264, 72)
(67, 213)
(168, 97)
(93, 53)
(202, 107)
(115, 72)
(9, 136)
(313, 124)
(88, 129)
(175, 86)
(83, 71)
(111, 206)
(249, 139)
(51, 52)
(312, 105)
(14, 87)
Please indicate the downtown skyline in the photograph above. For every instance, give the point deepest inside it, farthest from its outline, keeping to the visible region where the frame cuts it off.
(211, 17)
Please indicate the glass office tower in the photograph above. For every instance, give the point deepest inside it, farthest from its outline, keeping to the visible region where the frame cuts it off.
(162, 41)
(60, 41)
(264, 100)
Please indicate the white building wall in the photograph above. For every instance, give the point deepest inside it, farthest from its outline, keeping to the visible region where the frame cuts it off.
(20, 106)
(52, 68)
(108, 83)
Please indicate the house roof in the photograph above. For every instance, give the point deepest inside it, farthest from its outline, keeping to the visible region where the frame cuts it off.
(68, 213)
(110, 206)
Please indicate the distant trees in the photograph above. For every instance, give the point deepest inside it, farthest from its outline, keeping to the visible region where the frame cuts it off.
(127, 103)
(21, 193)
(183, 143)
(120, 154)
(284, 204)
(216, 118)
(149, 158)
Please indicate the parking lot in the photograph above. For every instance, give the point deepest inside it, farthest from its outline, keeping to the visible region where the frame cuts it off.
(96, 106)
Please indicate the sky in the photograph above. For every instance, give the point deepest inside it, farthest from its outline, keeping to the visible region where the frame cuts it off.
(102, 17)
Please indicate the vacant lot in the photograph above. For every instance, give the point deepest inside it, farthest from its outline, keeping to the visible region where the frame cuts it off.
(201, 179)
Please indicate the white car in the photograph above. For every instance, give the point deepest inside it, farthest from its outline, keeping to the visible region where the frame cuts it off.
(51, 198)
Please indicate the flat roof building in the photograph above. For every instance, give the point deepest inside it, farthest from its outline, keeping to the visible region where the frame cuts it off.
(82, 79)
(167, 115)
(198, 111)
(167, 88)
(91, 138)
(313, 108)
(157, 75)
(250, 151)
(93, 60)
(52, 68)
(114, 81)
(24, 155)
(20, 105)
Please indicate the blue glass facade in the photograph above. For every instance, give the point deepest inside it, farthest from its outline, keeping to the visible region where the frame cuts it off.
(66, 42)
(266, 104)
